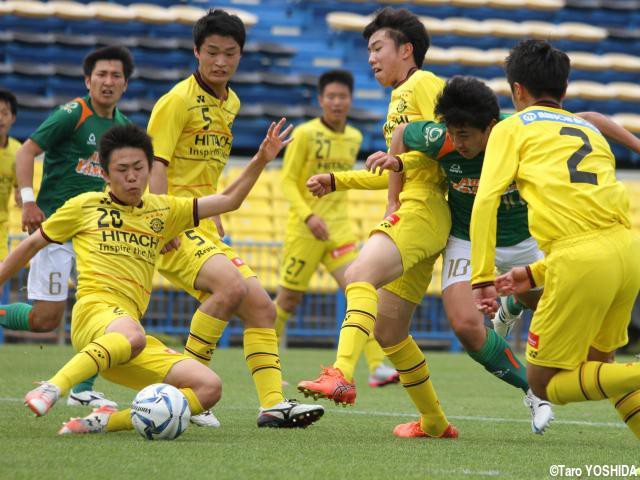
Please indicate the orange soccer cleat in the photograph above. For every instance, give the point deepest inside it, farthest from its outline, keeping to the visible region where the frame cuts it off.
(331, 385)
(413, 430)
(95, 422)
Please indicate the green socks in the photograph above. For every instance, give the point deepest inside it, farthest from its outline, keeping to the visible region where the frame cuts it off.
(85, 386)
(514, 306)
(497, 358)
(15, 316)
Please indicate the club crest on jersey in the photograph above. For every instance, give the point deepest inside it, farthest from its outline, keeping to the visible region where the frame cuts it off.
(402, 106)
(156, 224)
(455, 168)
(533, 340)
(433, 135)
(91, 140)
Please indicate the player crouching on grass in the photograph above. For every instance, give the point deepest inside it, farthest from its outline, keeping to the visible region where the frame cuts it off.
(118, 237)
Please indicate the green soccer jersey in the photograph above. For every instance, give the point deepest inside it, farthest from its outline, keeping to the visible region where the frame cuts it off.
(69, 138)
(463, 175)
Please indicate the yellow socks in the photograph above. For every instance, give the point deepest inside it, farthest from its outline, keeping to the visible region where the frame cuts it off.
(411, 364)
(594, 381)
(104, 352)
(204, 333)
(261, 355)
(121, 420)
(281, 320)
(362, 308)
(628, 407)
(373, 353)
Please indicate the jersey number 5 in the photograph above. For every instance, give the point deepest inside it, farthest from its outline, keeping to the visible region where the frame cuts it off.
(576, 176)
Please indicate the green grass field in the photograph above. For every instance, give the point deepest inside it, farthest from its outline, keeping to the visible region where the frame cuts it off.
(495, 438)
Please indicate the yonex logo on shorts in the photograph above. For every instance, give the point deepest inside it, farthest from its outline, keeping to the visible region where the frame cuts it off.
(533, 340)
(237, 261)
(338, 252)
(393, 219)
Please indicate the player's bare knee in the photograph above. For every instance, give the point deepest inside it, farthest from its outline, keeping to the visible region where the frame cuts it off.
(234, 292)
(357, 272)
(209, 391)
(596, 355)
(470, 330)
(138, 342)
(46, 317)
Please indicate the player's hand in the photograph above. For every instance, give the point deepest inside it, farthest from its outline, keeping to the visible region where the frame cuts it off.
(32, 217)
(218, 221)
(320, 185)
(514, 282)
(172, 244)
(274, 141)
(318, 227)
(381, 161)
(485, 299)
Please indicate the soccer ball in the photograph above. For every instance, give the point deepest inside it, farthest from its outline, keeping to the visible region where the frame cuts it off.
(160, 412)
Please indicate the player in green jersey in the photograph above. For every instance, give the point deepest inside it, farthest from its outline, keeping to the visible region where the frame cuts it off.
(69, 140)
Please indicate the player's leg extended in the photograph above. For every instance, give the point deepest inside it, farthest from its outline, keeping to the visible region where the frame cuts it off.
(257, 312)
(392, 331)
(226, 287)
(120, 341)
(379, 373)
(378, 263)
(482, 344)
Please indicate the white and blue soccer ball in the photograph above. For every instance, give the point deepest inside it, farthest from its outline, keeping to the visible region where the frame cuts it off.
(160, 412)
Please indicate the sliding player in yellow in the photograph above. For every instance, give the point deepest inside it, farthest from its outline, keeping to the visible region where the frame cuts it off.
(191, 128)
(8, 148)
(579, 214)
(401, 251)
(319, 230)
(117, 237)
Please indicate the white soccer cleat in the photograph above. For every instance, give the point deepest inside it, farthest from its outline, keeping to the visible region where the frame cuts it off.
(95, 422)
(206, 419)
(503, 320)
(42, 398)
(89, 398)
(541, 412)
(289, 414)
(383, 375)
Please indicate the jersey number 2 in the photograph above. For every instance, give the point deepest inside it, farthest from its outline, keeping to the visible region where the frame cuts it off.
(575, 175)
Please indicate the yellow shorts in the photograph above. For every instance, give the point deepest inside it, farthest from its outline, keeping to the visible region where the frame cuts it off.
(301, 256)
(181, 266)
(4, 241)
(92, 314)
(591, 284)
(420, 231)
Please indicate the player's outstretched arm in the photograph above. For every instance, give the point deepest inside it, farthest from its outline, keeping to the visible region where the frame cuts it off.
(32, 216)
(396, 179)
(612, 130)
(21, 255)
(233, 196)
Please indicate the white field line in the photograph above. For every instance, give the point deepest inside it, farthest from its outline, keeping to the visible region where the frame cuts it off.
(471, 418)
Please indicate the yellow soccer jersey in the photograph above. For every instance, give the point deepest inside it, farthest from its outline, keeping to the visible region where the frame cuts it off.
(191, 131)
(413, 100)
(117, 245)
(317, 149)
(564, 170)
(7, 177)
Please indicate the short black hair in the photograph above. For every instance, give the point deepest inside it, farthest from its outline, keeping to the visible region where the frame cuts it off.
(112, 52)
(219, 22)
(335, 76)
(539, 67)
(404, 27)
(466, 101)
(124, 136)
(9, 98)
